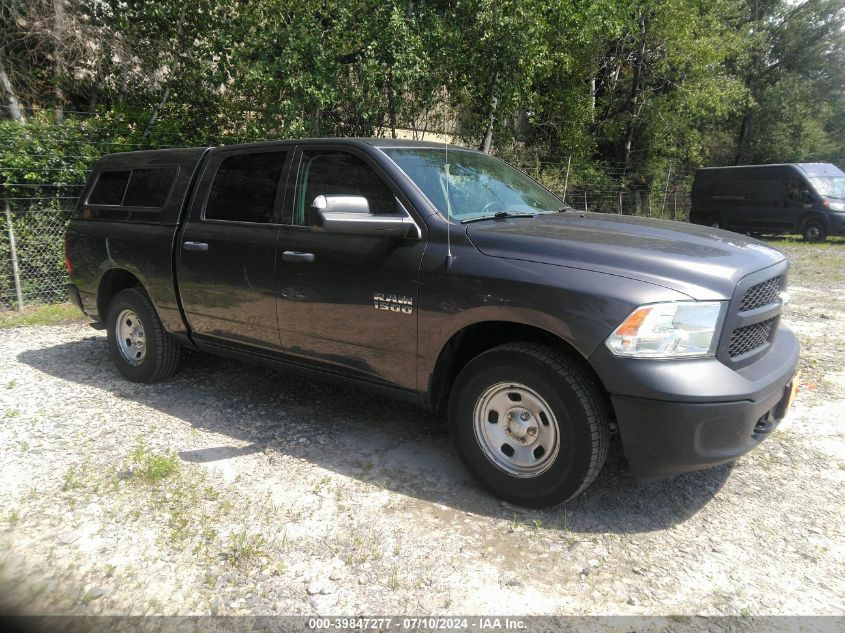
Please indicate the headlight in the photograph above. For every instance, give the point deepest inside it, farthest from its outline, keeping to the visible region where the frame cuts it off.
(669, 330)
(836, 206)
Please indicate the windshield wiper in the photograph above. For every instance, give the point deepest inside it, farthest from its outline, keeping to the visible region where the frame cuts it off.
(500, 215)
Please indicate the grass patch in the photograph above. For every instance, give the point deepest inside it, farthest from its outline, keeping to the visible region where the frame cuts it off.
(798, 240)
(245, 548)
(71, 480)
(152, 468)
(41, 315)
(158, 467)
(813, 263)
(8, 414)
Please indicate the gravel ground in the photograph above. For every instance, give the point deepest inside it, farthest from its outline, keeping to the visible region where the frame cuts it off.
(237, 490)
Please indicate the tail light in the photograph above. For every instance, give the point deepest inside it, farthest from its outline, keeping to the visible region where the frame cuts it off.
(67, 258)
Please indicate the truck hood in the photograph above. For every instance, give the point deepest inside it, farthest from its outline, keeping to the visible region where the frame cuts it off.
(701, 262)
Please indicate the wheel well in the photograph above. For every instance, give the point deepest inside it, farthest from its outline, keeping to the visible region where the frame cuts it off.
(477, 338)
(113, 282)
(812, 216)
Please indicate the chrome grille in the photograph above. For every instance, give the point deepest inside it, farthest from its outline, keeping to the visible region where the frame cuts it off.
(751, 337)
(762, 294)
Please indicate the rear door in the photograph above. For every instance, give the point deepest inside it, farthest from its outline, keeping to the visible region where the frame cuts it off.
(347, 303)
(227, 251)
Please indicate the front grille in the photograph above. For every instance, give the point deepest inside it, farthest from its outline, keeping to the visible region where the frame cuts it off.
(762, 294)
(751, 337)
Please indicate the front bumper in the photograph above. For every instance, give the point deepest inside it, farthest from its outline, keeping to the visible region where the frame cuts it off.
(678, 416)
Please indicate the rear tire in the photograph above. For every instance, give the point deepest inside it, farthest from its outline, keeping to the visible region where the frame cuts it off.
(529, 424)
(139, 346)
(715, 222)
(814, 231)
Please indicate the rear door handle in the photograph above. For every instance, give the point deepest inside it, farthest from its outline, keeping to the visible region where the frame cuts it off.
(295, 256)
(195, 246)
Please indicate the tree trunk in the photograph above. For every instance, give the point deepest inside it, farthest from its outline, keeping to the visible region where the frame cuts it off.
(755, 68)
(636, 83)
(742, 141)
(391, 103)
(11, 98)
(494, 102)
(58, 57)
(177, 59)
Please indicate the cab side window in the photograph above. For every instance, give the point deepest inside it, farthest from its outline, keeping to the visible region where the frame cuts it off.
(245, 186)
(336, 173)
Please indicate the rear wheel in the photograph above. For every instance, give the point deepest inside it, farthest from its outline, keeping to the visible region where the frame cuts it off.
(715, 222)
(529, 424)
(814, 230)
(139, 346)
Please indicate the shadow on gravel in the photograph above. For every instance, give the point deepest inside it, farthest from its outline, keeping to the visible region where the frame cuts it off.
(356, 434)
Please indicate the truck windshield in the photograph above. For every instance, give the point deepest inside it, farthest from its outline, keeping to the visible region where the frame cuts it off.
(831, 187)
(478, 185)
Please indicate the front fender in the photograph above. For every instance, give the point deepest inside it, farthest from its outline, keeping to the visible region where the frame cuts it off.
(580, 307)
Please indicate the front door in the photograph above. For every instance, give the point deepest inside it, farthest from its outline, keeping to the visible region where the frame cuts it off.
(798, 201)
(347, 303)
(227, 251)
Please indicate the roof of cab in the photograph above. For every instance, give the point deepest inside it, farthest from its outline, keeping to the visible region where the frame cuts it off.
(141, 157)
(812, 169)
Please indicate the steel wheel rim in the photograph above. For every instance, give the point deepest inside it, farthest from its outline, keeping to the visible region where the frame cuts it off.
(813, 232)
(516, 429)
(130, 336)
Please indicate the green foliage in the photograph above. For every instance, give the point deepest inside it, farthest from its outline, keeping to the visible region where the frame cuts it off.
(245, 548)
(632, 84)
(40, 315)
(151, 468)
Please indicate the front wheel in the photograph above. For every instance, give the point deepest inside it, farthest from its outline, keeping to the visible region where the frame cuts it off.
(139, 346)
(814, 230)
(529, 424)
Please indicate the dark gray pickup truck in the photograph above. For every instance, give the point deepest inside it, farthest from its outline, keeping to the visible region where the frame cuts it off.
(447, 278)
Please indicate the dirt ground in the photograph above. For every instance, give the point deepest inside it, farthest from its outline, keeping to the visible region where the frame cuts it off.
(237, 490)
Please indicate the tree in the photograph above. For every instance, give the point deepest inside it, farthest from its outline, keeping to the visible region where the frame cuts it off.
(793, 71)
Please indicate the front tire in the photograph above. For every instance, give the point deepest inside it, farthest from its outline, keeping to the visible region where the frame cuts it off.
(814, 230)
(529, 424)
(139, 346)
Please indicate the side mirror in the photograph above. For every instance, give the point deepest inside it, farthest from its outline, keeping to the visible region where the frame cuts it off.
(351, 215)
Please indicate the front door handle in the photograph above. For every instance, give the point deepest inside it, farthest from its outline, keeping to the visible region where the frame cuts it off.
(195, 246)
(295, 256)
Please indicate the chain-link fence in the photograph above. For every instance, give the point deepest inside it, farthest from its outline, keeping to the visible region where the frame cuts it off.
(32, 269)
(42, 175)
